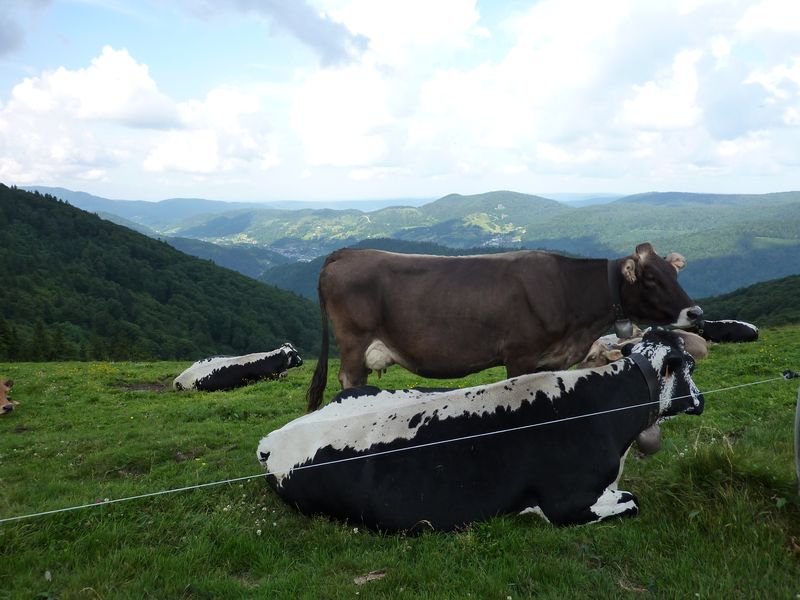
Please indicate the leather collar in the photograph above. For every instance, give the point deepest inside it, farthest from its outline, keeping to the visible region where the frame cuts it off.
(649, 374)
(622, 324)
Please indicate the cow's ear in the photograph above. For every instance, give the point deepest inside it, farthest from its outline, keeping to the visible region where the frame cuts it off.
(629, 270)
(673, 361)
(676, 260)
(612, 355)
(642, 250)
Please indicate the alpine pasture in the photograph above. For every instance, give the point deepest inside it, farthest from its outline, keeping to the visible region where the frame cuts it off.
(720, 512)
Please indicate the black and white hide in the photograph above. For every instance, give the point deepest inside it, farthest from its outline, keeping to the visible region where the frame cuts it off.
(410, 459)
(726, 331)
(229, 372)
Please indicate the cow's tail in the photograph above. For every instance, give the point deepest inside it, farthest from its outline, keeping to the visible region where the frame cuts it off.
(320, 378)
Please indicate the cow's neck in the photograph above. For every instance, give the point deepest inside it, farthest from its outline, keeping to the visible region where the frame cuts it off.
(588, 307)
(622, 324)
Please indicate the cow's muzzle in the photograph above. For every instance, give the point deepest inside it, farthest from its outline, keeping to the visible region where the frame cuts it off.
(698, 404)
(689, 317)
(7, 408)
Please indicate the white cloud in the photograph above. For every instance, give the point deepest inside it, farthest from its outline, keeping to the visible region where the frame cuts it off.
(400, 32)
(114, 88)
(189, 151)
(338, 115)
(771, 15)
(333, 42)
(85, 123)
(581, 90)
(669, 102)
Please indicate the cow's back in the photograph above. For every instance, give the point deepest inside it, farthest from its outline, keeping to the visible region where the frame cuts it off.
(436, 315)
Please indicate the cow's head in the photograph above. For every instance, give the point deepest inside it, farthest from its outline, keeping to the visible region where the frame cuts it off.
(650, 291)
(673, 366)
(601, 353)
(6, 404)
(292, 357)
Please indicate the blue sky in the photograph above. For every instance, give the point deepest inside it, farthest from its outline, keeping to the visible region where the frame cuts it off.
(351, 99)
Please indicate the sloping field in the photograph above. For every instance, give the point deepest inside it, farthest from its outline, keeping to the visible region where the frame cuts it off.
(720, 512)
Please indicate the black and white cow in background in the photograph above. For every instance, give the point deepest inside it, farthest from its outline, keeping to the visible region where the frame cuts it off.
(566, 471)
(229, 372)
(726, 331)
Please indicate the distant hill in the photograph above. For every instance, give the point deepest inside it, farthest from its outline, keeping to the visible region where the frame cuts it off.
(457, 221)
(681, 198)
(76, 286)
(577, 200)
(765, 304)
(153, 215)
(247, 260)
(730, 240)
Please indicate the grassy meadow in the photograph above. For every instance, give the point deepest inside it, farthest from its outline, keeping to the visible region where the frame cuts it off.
(720, 512)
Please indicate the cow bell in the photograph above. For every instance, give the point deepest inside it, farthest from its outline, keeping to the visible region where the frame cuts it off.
(623, 328)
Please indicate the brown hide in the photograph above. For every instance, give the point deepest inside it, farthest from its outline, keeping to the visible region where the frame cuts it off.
(6, 404)
(609, 348)
(448, 317)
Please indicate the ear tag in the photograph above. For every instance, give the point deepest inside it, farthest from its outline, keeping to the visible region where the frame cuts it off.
(623, 328)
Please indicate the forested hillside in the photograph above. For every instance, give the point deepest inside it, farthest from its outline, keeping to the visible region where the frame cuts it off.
(78, 287)
(765, 304)
(246, 259)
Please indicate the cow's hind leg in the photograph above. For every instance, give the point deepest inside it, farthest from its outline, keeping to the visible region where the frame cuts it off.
(353, 370)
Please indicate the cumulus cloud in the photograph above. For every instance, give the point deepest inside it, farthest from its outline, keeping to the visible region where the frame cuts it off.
(668, 88)
(339, 115)
(12, 33)
(400, 32)
(331, 40)
(113, 88)
(86, 123)
(669, 103)
(224, 131)
(669, 92)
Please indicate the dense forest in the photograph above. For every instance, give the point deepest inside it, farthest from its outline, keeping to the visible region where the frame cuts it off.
(77, 287)
(765, 304)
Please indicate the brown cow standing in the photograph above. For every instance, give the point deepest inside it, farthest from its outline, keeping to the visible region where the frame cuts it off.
(445, 317)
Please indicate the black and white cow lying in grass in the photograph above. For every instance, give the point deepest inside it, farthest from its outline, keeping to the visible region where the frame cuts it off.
(408, 459)
(229, 372)
(726, 331)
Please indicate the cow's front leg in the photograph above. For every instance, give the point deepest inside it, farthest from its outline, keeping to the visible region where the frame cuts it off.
(613, 503)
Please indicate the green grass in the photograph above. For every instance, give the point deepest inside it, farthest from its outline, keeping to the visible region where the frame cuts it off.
(719, 503)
